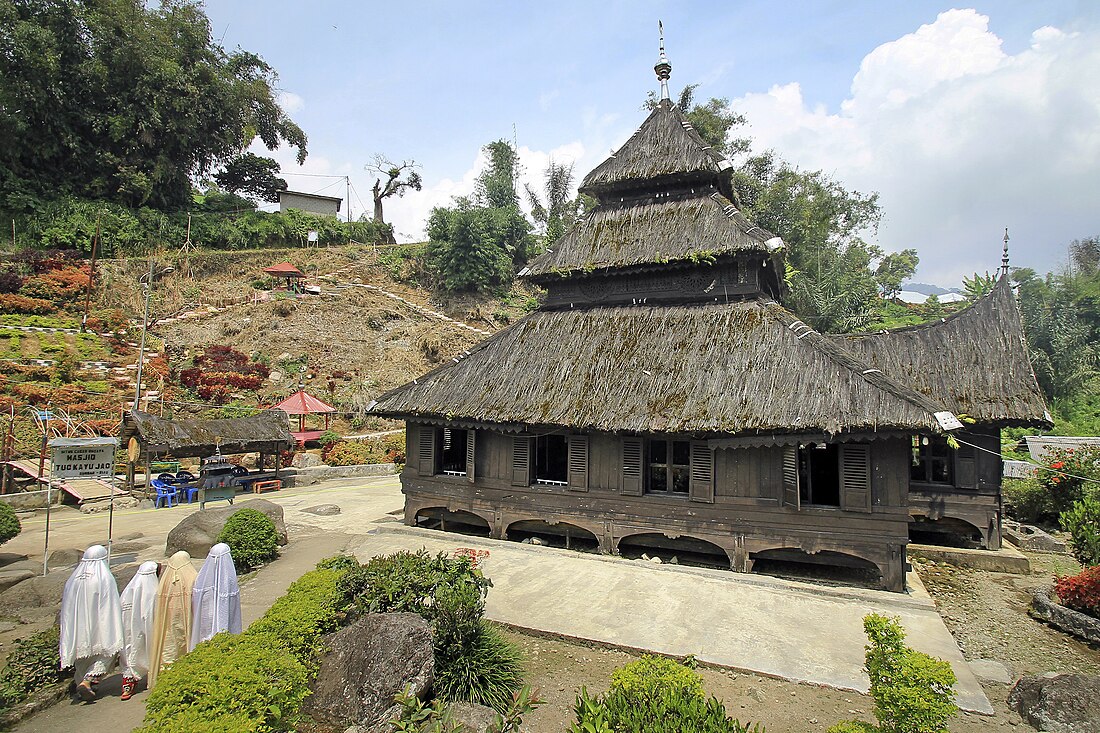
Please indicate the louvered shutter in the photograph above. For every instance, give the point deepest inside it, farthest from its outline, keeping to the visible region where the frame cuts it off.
(632, 466)
(966, 468)
(521, 461)
(855, 477)
(425, 450)
(578, 462)
(471, 454)
(702, 473)
(790, 477)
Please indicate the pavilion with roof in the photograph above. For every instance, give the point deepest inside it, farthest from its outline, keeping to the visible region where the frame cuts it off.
(662, 399)
(287, 271)
(302, 403)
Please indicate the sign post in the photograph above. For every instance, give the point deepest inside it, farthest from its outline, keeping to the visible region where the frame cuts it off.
(92, 458)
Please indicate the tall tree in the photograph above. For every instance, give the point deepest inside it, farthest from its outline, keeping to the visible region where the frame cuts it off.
(496, 185)
(253, 176)
(113, 99)
(894, 269)
(400, 177)
(559, 212)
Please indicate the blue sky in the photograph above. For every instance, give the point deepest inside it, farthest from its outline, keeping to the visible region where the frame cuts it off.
(965, 119)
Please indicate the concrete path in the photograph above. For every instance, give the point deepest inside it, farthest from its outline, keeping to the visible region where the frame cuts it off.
(795, 631)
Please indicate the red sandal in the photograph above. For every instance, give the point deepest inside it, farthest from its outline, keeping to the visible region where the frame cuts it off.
(128, 685)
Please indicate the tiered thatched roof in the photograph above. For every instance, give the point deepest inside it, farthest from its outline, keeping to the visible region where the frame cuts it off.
(190, 437)
(974, 361)
(719, 369)
(652, 231)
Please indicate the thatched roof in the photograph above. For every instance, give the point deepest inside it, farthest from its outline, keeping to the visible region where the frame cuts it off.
(974, 361)
(652, 230)
(665, 145)
(715, 369)
(189, 437)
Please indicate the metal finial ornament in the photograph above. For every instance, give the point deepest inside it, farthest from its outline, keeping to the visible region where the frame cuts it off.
(1004, 256)
(663, 66)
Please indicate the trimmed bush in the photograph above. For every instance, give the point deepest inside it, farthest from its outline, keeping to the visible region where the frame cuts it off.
(251, 537)
(33, 664)
(1080, 592)
(1082, 521)
(649, 674)
(9, 523)
(852, 726)
(310, 609)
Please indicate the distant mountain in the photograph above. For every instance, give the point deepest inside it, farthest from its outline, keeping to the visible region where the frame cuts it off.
(926, 289)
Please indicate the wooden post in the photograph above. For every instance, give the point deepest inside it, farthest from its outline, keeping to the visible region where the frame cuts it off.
(91, 278)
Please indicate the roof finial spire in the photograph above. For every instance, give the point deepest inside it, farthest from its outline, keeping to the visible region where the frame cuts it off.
(663, 66)
(1004, 257)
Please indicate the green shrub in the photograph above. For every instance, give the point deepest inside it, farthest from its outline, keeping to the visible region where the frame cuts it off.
(310, 608)
(251, 537)
(913, 692)
(852, 726)
(9, 523)
(650, 674)
(1082, 521)
(1029, 501)
(487, 669)
(663, 711)
(32, 664)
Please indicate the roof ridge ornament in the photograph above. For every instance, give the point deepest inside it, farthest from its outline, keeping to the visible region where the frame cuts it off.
(1004, 256)
(663, 67)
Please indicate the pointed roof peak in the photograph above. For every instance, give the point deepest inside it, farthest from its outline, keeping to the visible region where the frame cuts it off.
(1004, 257)
(663, 67)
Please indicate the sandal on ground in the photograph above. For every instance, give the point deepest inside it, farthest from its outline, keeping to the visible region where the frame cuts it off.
(85, 692)
(128, 685)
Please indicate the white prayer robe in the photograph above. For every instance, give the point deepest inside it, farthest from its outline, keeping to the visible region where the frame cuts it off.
(172, 618)
(91, 614)
(216, 599)
(139, 601)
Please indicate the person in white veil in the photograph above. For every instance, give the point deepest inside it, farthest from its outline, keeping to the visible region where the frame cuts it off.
(216, 599)
(91, 621)
(139, 600)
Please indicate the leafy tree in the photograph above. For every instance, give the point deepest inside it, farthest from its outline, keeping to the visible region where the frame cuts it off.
(112, 99)
(400, 177)
(496, 185)
(253, 176)
(559, 212)
(712, 120)
(979, 285)
(468, 245)
(894, 269)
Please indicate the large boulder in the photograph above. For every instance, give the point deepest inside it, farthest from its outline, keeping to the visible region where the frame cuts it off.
(197, 533)
(368, 663)
(1058, 703)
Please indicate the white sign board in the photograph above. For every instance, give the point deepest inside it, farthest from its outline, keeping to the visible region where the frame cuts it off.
(94, 459)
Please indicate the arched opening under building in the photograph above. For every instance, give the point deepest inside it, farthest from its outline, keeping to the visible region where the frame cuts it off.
(825, 567)
(946, 531)
(562, 534)
(680, 551)
(459, 522)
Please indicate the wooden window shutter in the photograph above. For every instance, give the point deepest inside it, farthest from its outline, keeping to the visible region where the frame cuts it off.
(632, 467)
(425, 450)
(471, 454)
(578, 462)
(791, 494)
(855, 477)
(966, 468)
(521, 461)
(702, 473)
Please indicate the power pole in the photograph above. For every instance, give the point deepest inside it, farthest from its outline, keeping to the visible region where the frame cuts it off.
(7, 451)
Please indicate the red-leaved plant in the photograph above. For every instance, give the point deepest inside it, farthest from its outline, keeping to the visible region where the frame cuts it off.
(1080, 592)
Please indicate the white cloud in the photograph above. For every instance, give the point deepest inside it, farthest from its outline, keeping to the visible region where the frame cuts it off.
(960, 139)
(290, 102)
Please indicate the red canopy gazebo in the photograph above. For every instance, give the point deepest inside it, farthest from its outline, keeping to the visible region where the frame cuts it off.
(301, 403)
(285, 270)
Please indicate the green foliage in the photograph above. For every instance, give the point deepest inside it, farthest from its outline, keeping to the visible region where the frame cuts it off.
(664, 710)
(251, 537)
(125, 102)
(649, 674)
(416, 716)
(1082, 521)
(852, 726)
(475, 662)
(913, 692)
(979, 285)
(1029, 501)
(9, 523)
(253, 176)
(410, 581)
(473, 247)
(559, 212)
(712, 120)
(33, 663)
(894, 269)
(311, 608)
(1071, 475)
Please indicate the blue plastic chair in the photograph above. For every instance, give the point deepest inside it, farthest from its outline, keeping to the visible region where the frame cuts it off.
(166, 495)
(190, 491)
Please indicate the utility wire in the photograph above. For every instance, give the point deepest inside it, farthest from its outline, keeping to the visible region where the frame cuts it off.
(1035, 465)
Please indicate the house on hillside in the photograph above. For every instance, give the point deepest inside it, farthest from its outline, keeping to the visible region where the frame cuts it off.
(662, 398)
(309, 202)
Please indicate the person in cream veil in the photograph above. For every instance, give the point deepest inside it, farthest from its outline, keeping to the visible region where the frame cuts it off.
(91, 621)
(172, 618)
(216, 599)
(138, 604)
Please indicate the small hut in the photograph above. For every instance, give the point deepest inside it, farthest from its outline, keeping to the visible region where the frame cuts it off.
(289, 272)
(302, 403)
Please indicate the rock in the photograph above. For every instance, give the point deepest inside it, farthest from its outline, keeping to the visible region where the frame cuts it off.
(42, 594)
(368, 663)
(275, 376)
(8, 578)
(989, 670)
(531, 541)
(129, 537)
(307, 460)
(9, 558)
(756, 694)
(323, 510)
(471, 717)
(1058, 703)
(64, 558)
(198, 532)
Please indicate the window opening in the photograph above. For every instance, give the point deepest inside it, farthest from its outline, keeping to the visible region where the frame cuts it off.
(819, 474)
(551, 460)
(454, 452)
(669, 467)
(932, 462)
